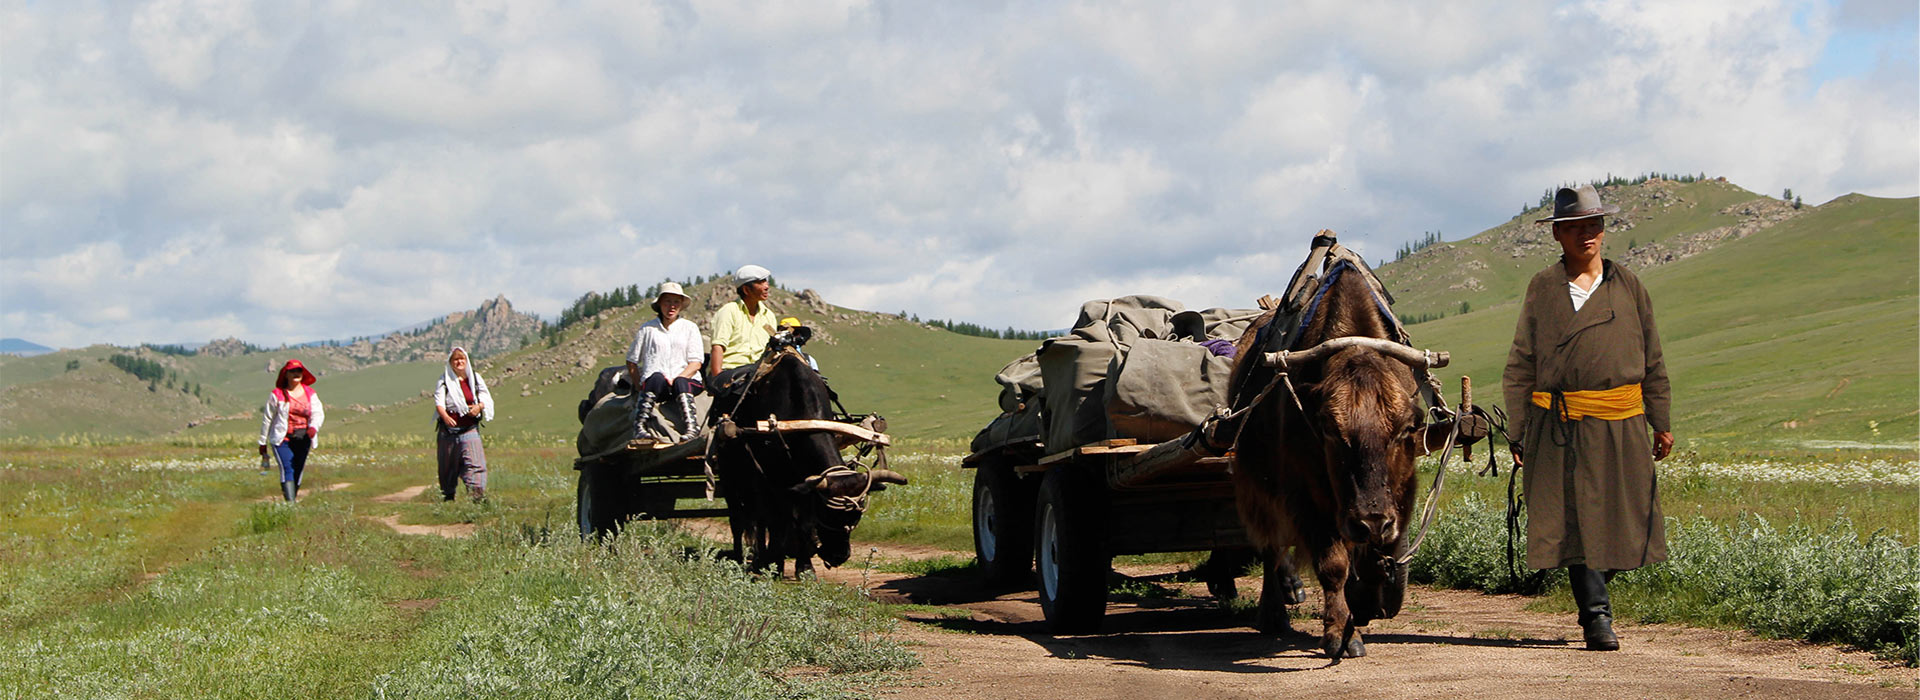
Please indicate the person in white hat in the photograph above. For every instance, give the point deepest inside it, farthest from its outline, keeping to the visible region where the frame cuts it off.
(664, 361)
(742, 327)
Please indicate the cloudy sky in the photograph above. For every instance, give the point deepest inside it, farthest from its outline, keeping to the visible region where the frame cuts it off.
(289, 171)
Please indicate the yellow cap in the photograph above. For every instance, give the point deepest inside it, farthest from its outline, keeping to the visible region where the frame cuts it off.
(789, 322)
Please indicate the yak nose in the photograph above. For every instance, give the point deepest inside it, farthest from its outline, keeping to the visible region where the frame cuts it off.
(1380, 528)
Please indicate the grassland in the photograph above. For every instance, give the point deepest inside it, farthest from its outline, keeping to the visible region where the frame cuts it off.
(144, 571)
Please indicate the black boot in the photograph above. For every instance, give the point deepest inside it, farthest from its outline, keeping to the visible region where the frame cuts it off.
(642, 411)
(690, 428)
(288, 489)
(1596, 611)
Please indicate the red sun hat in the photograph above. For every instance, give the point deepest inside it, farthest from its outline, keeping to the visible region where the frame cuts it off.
(306, 375)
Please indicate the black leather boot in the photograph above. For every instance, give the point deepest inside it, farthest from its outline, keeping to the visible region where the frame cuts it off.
(287, 490)
(691, 427)
(1596, 611)
(642, 411)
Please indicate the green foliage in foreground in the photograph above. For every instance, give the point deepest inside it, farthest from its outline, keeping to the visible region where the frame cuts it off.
(579, 621)
(1805, 581)
(150, 572)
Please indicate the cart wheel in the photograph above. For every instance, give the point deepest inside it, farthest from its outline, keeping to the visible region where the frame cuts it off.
(1071, 550)
(1003, 525)
(594, 504)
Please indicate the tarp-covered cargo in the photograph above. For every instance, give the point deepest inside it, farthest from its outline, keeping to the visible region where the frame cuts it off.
(1130, 367)
(1141, 366)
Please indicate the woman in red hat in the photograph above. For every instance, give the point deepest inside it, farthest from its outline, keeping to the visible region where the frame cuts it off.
(291, 424)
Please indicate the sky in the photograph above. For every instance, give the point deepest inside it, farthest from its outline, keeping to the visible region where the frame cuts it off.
(288, 171)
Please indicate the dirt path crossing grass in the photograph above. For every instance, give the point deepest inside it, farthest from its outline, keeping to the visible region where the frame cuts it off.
(1445, 643)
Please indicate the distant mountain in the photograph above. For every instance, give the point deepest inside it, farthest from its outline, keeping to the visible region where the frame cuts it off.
(23, 348)
(77, 391)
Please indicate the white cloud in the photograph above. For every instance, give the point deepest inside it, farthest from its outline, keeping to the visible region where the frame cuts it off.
(338, 169)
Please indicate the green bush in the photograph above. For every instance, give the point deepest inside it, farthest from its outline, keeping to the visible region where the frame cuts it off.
(1466, 547)
(1822, 584)
(263, 518)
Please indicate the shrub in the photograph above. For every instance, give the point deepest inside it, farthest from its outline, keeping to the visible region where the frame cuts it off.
(263, 518)
(1821, 584)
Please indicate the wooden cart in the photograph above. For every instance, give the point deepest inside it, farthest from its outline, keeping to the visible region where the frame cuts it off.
(649, 480)
(1066, 514)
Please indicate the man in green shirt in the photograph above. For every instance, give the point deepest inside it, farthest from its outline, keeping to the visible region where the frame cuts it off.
(742, 327)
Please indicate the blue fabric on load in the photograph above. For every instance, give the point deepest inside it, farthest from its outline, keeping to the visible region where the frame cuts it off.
(1265, 336)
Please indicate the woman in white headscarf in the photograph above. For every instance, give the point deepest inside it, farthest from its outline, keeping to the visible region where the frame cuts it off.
(462, 401)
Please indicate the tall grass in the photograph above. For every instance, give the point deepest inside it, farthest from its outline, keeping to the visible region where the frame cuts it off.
(1819, 582)
(642, 620)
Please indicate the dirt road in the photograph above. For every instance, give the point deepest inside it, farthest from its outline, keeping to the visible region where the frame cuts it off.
(1444, 643)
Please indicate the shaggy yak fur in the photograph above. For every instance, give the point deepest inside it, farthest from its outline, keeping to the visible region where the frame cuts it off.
(1338, 482)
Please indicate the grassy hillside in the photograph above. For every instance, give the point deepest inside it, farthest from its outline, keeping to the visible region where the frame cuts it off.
(97, 399)
(1796, 335)
(1494, 265)
(930, 383)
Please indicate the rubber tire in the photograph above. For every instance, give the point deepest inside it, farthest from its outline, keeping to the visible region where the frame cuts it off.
(1070, 549)
(595, 506)
(1003, 526)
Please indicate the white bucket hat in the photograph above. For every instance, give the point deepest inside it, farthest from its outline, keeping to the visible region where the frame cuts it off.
(665, 289)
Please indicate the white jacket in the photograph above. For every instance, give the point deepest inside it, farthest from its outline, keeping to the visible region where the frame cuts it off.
(273, 423)
(453, 400)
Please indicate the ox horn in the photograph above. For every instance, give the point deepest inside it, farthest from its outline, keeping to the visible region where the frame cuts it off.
(888, 476)
(1420, 359)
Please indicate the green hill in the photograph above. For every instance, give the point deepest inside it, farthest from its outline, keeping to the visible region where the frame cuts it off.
(42, 396)
(930, 383)
(1793, 336)
(1660, 221)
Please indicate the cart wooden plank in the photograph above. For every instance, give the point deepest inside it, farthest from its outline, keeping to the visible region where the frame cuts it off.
(1096, 448)
(1162, 461)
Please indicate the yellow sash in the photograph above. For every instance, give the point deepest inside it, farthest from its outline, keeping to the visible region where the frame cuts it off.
(1619, 403)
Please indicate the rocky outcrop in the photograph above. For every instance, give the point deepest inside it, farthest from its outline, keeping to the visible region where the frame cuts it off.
(225, 347)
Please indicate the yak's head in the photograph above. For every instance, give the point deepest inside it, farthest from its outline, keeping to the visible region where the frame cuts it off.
(1370, 432)
(838, 498)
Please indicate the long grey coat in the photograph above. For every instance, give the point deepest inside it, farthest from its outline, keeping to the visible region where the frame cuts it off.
(1591, 494)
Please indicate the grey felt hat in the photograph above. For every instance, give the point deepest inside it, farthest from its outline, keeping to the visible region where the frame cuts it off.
(1575, 203)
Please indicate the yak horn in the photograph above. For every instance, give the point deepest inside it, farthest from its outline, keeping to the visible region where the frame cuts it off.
(1420, 359)
(887, 476)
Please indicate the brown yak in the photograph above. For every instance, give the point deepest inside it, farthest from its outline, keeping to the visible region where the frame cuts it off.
(1338, 483)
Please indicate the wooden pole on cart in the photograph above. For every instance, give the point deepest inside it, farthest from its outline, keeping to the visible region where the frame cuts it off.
(1466, 413)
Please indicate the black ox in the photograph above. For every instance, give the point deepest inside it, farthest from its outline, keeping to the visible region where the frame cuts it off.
(789, 495)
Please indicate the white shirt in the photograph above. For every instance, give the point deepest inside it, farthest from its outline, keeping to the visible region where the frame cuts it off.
(665, 350)
(1580, 295)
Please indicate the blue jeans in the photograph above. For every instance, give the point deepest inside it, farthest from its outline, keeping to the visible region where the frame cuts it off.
(293, 458)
